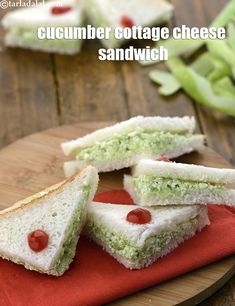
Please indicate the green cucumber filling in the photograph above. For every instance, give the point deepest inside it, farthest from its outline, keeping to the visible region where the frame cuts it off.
(71, 236)
(153, 245)
(139, 141)
(29, 37)
(164, 188)
(98, 20)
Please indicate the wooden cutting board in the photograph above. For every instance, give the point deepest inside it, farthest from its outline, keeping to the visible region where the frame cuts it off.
(35, 162)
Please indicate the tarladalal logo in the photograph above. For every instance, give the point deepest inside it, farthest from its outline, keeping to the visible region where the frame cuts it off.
(4, 4)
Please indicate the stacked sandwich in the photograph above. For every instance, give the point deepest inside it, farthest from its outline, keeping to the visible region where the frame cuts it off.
(126, 143)
(22, 24)
(170, 198)
(166, 183)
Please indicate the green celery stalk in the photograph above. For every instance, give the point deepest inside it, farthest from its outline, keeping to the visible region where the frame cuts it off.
(199, 88)
(221, 69)
(224, 87)
(225, 16)
(231, 35)
(188, 47)
(202, 65)
(223, 19)
(221, 49)
(169, 83)
(176, 48)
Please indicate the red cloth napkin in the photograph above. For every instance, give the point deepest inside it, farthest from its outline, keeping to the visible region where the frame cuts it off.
(96, 278)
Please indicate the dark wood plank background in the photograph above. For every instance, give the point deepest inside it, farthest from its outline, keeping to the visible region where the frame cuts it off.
(39, 91)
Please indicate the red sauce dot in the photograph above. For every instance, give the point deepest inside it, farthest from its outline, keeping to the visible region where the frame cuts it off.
(164, 159)
(58, 10)
(126, 22)
(38, 240)
(139, 216)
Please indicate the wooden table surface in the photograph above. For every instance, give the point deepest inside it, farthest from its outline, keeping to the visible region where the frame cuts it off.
(40, 90)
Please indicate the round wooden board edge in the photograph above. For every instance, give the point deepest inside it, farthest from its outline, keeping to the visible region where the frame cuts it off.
(205, 294)
(199, 296)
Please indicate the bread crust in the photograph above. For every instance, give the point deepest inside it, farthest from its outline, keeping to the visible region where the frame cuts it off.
(42, 195)
(28, 17)
(60, 211)
(181, 125)
(182, 171)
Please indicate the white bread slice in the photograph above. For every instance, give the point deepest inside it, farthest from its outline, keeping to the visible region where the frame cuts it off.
(181, 125)
(112, 217)
(182, 171)
(226, 197)
(30, 18)
(196, 143)
(12, 40)
(142, 12)
(60, 211)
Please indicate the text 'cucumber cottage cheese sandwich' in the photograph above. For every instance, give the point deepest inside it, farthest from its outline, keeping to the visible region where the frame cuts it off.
(126, 14)
(124, 144)
(41, 232)
(22, 26)
(137, 237)
(161, 183)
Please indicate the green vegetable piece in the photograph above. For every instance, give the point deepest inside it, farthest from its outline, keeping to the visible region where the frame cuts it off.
(222, 50)
(199, 88)
(181, 47)
(176, 48)
(224, 87)
(203, 64)
(221, 69)
(169, 83)
(231, 36)
(188, 47)
(225, 16)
